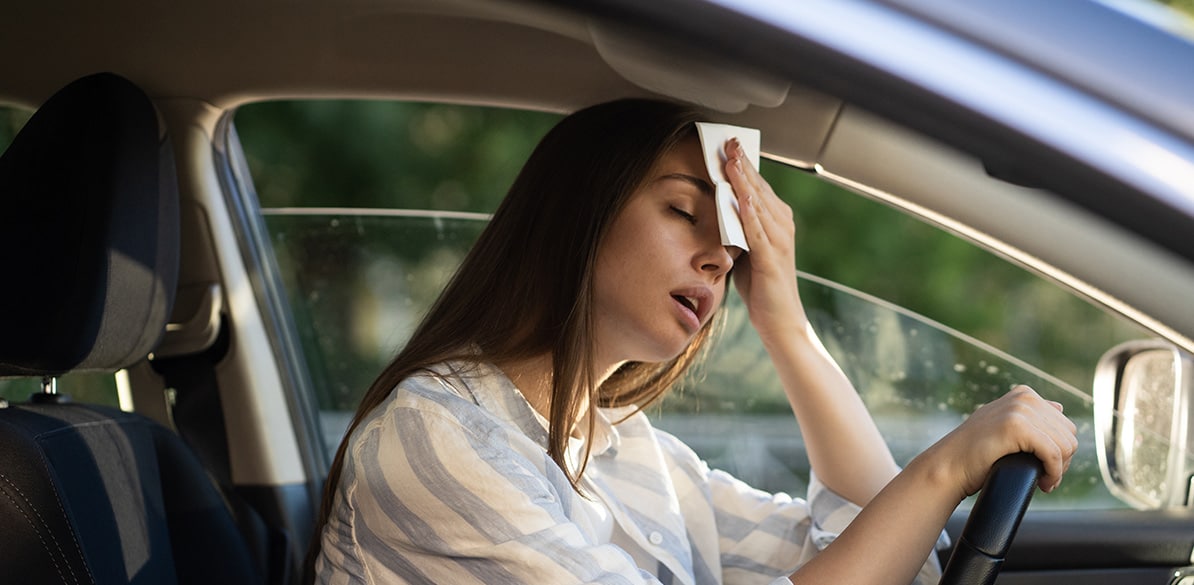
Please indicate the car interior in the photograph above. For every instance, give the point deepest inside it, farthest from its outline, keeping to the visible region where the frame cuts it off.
(96, 494)
(127, 247)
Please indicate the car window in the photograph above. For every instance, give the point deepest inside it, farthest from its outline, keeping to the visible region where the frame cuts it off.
(369, 207)
(97, 388)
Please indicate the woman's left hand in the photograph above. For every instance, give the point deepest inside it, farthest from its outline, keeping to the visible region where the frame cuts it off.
(766, 276)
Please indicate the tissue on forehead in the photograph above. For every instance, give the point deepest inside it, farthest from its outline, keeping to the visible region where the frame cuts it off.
(713, 141)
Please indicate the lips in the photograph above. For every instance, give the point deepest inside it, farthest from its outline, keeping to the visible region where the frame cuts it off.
(695, 303)
(691, 303)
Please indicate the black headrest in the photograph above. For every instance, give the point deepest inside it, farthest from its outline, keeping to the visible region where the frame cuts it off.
(88, 232)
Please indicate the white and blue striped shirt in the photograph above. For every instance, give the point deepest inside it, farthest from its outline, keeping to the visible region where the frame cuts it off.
(448, 482)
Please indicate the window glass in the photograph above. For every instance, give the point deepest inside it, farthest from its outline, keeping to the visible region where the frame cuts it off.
(95, 388)
(358, 280)
(12, 119)
(370, 206)
(386, 154)
(1186, 7)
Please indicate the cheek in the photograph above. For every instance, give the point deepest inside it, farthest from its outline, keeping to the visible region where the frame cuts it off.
(719, 294)
(640, 245)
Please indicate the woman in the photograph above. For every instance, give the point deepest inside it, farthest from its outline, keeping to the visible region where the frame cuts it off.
(505, 442)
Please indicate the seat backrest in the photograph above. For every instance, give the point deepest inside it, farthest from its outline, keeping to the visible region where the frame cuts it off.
(89, 248)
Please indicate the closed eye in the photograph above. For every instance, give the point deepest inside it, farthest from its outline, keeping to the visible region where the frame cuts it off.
(690, 218)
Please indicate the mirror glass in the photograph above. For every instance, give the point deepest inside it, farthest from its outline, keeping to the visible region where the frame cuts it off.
(1144, 402)
(1147, 407)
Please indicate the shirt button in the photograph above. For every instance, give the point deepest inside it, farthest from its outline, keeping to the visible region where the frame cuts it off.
(655, 538)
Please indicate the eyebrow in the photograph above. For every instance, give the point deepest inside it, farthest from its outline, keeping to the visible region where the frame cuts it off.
(695, 181)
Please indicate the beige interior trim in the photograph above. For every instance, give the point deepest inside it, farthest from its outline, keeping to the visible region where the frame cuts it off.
(263, 447)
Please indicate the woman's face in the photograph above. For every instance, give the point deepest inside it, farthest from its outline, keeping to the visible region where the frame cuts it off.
(661, 269)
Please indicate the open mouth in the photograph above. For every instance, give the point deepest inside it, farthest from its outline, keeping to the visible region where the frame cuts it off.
(689, 302)
(696, 301)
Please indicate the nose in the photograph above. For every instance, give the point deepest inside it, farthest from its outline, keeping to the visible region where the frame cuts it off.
(717, 260)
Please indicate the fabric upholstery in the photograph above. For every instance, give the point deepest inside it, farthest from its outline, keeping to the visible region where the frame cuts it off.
(88, 232)
(133, 505)
(89, 248)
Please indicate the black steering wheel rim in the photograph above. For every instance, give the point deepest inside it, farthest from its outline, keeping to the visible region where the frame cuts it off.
(978, 555)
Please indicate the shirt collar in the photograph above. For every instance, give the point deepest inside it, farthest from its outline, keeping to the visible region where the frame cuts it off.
(493, 391)
(490, 389)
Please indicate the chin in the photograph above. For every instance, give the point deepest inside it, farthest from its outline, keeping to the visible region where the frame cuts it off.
(666, 352)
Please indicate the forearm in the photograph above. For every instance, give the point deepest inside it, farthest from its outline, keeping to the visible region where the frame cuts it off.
(843, 444)
(892, 537)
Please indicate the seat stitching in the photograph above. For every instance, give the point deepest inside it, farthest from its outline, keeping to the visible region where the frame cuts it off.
(36, 529)
(74, 538)
(58, 500)
(78, 425)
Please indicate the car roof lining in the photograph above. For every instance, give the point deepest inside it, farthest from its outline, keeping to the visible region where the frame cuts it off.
(485, 54)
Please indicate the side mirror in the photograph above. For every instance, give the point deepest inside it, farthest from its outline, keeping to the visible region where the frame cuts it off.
(1143, 401)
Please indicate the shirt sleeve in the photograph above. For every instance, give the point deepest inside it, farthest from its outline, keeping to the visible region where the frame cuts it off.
(764, 537)
(832, 514)
(434, 498)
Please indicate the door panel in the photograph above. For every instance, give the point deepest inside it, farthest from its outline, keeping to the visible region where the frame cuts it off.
(1095, 547)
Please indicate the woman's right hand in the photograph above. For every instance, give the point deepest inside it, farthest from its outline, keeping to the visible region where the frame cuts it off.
(1018, 421)
(896, 530)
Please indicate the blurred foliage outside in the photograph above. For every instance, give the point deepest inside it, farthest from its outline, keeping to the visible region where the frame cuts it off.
(450, 158)
(359, 277)
(1185, 7)
(387, 155)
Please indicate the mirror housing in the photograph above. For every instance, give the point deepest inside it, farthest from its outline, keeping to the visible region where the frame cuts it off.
(1143, 401)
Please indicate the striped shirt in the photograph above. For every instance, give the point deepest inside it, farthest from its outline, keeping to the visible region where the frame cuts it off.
(448, 482)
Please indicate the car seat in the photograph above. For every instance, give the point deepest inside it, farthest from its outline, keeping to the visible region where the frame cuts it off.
(89, 251)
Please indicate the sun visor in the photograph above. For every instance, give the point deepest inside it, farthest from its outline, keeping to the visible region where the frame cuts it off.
(684, 74)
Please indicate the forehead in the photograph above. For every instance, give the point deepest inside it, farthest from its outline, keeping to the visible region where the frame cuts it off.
(684, 158)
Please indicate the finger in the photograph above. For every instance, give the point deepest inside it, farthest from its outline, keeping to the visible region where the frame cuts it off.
(1055, 413)
(1044, 431)
(766, 201)
(1057, 436)
(748, 211)
(775, 217)
(751, 173)
(1051, 455)
(1057, 451)
(1061, 423)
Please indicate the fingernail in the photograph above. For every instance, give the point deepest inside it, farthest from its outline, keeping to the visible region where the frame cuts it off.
(737, 165)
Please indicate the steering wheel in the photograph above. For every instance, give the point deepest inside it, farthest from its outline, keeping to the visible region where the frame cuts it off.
(979, 553)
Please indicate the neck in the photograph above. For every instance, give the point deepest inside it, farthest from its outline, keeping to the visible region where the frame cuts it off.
(533, 377)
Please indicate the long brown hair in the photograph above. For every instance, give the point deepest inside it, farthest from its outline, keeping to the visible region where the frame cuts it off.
(526, 287)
